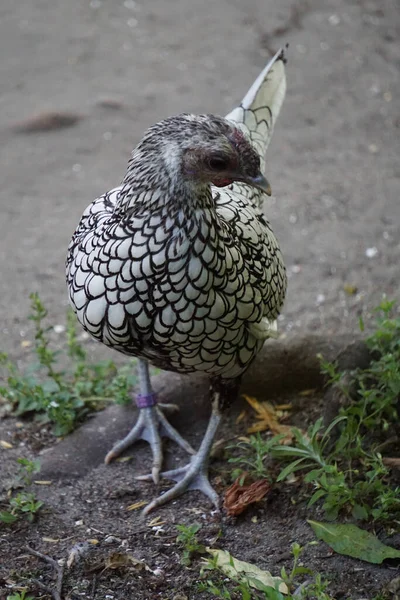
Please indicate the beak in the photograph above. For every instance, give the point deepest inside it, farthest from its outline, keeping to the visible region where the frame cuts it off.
(260, 183)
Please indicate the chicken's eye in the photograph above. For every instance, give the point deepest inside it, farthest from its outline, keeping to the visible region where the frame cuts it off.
(218, 163)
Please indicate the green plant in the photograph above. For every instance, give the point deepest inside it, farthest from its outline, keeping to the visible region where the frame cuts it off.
(62, 397)
(27, 468)
(346, 470)
(254, 452)
(313, 589)
(20, 596)
(296, 569)
(349, 474)
(188, 538)
(23, 503)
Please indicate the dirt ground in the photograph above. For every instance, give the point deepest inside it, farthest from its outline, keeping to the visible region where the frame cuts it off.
(115, 68)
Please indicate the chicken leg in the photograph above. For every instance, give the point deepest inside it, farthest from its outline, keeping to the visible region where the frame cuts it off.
(150, 426)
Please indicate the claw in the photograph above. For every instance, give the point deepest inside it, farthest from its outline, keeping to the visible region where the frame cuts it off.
(193, 476)
(151, 426)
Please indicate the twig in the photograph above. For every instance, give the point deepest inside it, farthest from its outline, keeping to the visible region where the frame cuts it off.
(94, 586)
(59, 569)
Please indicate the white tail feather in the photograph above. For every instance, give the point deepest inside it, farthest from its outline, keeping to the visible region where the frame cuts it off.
(259, 109)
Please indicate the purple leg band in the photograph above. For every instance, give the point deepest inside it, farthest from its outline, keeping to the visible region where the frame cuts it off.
(145, 401)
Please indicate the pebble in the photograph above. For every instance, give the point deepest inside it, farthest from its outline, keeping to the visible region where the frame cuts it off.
(371, 252)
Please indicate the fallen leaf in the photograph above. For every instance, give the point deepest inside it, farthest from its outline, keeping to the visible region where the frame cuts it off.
(156, 522)
(350, 540)
(119, 560)
(350, 289)
(51, 540)
(252, 575)
(5, 445)
(241, 417)
(26, 344)
(112, 103)
(136, 505)
(268, 417)
(123, 459)
(47, 121)
(239, 496)
(309, 392)
(43, 482)
(218, 448)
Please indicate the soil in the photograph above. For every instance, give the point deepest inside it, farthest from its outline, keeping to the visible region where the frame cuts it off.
(81, 81)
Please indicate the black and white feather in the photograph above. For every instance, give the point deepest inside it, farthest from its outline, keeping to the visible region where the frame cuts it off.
(173, 269)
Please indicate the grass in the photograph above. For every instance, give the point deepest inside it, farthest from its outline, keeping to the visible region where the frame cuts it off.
(190, 545)
(22, 504)
(20, 596)
(346, 471)
(62, 397)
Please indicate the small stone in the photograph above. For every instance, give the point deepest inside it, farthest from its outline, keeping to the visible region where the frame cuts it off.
(371, 252)
(334, 19)
(387, 96)
(110, 539)
(295, 269)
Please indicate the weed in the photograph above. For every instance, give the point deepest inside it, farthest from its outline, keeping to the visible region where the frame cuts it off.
(27, 468)
(61, 397)
(254, 452)
(23, 503)
(188, 538)
(347, 473)
(20, 596)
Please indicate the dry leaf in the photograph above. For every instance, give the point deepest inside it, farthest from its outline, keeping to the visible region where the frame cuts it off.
(123, 459)
(118, 560)
(51, 540)
(241, 417)
(246, 572)
(307, 392)
(268, 419)
(156, 522)
(136, 505)
(43, 482)
(350, 289)
(47, 121)
(238, 497)
(5, 445)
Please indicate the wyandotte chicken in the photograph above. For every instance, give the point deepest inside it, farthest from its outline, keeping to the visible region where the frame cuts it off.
(179, 266)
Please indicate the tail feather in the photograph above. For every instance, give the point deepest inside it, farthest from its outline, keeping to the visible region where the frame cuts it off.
(259, 109)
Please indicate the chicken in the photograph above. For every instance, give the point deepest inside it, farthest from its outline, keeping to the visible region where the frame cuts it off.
(179, 267)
